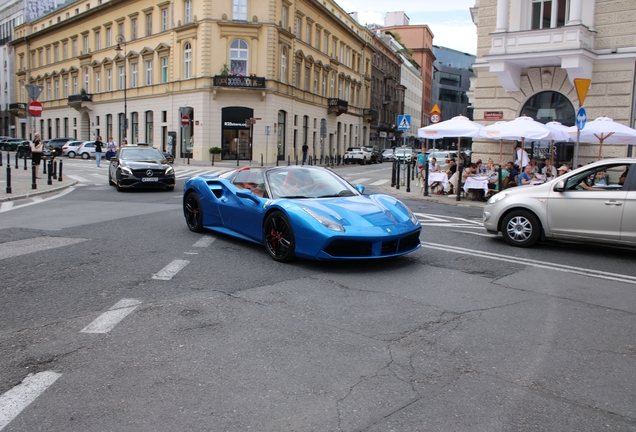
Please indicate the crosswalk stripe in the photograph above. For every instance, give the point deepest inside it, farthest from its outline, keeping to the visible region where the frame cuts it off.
(78, 178)
(14, 401)
(380, 182)
(170, 270)
(38, 244)
(108, 320)
(359, 181)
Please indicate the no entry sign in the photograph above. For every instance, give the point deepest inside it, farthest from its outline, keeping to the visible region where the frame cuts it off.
(35, 108)
(185, 120)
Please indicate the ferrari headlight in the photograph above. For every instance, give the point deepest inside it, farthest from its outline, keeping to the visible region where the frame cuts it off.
(411, 216)
(498, 197)
(169, 170)
(325, 221)
(126, 171)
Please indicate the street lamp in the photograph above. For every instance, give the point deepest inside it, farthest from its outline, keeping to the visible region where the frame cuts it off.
(120, 39)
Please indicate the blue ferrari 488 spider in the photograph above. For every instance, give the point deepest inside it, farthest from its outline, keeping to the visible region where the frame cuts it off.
(305, 212)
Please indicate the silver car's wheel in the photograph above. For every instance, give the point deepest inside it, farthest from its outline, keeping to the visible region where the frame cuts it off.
(85, 156)
(71, 154)
(521, 228)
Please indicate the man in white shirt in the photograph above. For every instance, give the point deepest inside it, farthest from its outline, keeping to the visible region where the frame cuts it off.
(433, 166)
(522, 157)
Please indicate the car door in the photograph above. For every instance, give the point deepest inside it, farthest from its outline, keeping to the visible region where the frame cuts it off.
(581, 214)
(242, 215)
(628, 224)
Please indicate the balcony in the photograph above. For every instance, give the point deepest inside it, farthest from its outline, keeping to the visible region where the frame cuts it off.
(570, 47)
(78, 101)
(337, 106)
(18, 109)
(239, 81)
(370, 114)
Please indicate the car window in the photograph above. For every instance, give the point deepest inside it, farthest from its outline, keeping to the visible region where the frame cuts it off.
(600, 178)
(251, 180)
(307, 183)
(136, 154)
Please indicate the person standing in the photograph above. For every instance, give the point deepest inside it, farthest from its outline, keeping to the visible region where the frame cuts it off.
(305, 150)
(522, 157)
(98, 150)
(111, 148)
(36, 153)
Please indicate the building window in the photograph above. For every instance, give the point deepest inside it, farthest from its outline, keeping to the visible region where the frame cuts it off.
(109, 37)
(325, 43)
(188, 12)
(307, 77)
(284, 19)
(187, 60)
(164, 69)
(239, 10)
(164, 20)
(238, 57)
(296, 75)
(149, 126)
(74, 47)
(48, 56)
(98, 82)
(133, 24)
(298, 27)
(109, 80)
(134, 130)
(308, 34)
(542, 16)
(121, 81)
(75, 85)
(133, 75)
(148, 72)
(57, 89)
(148, 24)
(333, 84)
(98, 41)
(48, 90)
(120, 28)
(341, 57)
(65, 51)
(324, 85)
(283, 65)
(65, 95)
(317, 41)
(316, 74)
(85, 43)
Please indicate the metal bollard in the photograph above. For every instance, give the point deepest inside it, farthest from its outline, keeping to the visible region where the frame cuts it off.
(1, 158)
(425, 179)
(54, 168)
(288, 160)
(261, 159)
(16, 161)
(397, 180)
(458, 192)
(45, 161)
(276, 160)
(33, 183)
(49, 180)
(59, 177)
(499, 180)
(8, 188)
(25, 164)
(408, 178)
(393, 174)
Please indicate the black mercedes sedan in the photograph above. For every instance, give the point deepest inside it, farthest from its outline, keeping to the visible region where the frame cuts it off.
(138, 167)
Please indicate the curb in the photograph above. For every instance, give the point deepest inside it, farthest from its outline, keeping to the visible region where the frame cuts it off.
(37, 192)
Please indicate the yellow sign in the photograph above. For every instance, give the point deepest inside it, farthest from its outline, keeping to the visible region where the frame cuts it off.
(435, 110)
(582, 85)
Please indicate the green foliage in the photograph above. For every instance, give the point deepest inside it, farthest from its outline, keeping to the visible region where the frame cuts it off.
(224, 70)
(215, 150)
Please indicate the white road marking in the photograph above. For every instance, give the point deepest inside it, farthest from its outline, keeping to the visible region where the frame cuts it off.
(170, 270)
(379, 182)
(359, 181)
(108, 320)
(78, 178)
(476, 233)
(6, 206)
(38, 244)
(204, 241)
(14, 401)
(39, 200)
(539, 264)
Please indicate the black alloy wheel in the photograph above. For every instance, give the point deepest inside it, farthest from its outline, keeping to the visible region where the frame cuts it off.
(279, 237)
(193, 213)
(521, 228)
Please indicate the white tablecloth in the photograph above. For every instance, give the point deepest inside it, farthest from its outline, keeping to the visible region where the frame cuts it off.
(473, 183)
(439, 178)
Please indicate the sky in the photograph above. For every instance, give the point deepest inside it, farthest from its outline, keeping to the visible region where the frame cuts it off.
(449, 20)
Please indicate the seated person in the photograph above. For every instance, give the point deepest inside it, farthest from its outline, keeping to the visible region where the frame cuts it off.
(469, 171)
(585, 186)
(600, 178)
(433, 166)
(511, 180)
(549, 170)
(526, 176)
(296, 181)
(621, 179)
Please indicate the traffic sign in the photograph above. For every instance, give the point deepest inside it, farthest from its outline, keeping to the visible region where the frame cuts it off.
(35, 108)
(581, 118)
(248, 122)
(33, 90)
(404, 122)
(185, 120)
(436, 110)
(435, 118)
(582, 85)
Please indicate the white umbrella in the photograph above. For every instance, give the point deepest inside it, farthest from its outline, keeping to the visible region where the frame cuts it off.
(605, 130)
(459, 127)
(560, 132)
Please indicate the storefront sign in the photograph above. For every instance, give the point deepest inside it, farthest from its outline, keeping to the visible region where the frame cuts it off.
(232, 124)
(493, 115)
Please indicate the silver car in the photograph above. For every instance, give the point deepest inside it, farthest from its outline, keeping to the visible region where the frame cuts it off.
(71, 148)
(595, 203)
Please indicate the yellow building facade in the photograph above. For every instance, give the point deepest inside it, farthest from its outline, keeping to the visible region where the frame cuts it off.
(188, 74)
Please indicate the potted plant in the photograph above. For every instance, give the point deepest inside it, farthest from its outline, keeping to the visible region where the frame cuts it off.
(214, 151)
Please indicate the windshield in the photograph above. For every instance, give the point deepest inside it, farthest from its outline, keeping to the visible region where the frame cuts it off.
(307, 183)
(140, 155)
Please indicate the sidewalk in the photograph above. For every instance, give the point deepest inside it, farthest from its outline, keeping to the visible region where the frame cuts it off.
(21, 180)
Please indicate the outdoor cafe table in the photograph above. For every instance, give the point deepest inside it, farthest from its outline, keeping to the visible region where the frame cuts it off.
(476, 183)
(438, 177)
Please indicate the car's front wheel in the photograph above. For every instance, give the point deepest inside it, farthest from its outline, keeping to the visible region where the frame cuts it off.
(85, 156)
(279, 237)
(521, 228)
(71, 154)
(193, 213)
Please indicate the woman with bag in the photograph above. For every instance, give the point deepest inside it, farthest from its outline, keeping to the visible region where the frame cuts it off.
(36, 153)
(111, 148)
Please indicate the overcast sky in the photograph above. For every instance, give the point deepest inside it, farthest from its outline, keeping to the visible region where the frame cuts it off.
(449, 20)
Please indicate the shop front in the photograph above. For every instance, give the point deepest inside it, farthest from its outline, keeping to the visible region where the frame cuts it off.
(236, 133)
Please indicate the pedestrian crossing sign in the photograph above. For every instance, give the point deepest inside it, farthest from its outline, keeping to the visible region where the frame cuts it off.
(404, 122)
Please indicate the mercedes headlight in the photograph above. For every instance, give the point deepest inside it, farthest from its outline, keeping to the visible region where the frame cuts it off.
(169, 170)
(325, 221)
(126, 171)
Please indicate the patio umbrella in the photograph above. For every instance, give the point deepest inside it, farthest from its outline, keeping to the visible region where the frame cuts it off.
(459, 127)
(559, 132)
(605, 130)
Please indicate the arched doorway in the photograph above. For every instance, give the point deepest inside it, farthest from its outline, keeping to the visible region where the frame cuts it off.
(544, 107)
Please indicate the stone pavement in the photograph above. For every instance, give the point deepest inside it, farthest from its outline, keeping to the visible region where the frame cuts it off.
(22, 181)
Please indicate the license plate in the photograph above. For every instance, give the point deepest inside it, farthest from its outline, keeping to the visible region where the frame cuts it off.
(149, 179)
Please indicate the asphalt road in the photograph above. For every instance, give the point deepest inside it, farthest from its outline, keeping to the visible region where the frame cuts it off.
(113, 316)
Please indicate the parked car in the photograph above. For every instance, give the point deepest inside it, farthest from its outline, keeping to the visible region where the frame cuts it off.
(403, 154)
(87, 150)
(24, 150)
(140, 167)
(71, 148)
(357, 155)
(376, 155)
(58, 144)
(304, 212)
(595, 203)
(12, 144)
(387, 155)
(443, 158)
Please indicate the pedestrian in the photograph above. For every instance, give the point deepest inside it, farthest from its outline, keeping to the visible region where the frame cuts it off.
(170, 145)
(98, 150)
(305, 150)
(111, 148)
(36, 153)
(522, 157)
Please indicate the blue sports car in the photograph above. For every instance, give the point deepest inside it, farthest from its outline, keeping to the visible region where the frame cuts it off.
(305, 212)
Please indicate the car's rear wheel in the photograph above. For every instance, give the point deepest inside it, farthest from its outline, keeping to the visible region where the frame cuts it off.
(279, 237)
(85, 156)
(521, 228)
(71, 154)
(193, 213)
(6, 147)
